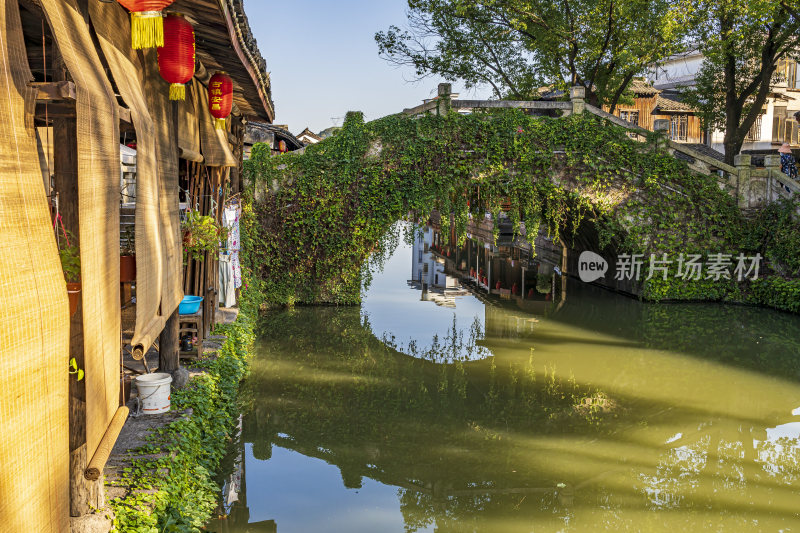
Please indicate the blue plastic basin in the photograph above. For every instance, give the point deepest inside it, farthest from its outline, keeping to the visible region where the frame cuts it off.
(190, 305)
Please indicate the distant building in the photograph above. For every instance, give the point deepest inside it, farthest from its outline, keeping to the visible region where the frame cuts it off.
(261, 132)
(309, 137)
(775, 124)
(651, 104)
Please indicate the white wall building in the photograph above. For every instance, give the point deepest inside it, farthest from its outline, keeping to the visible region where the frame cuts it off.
(776, 123)
(426, 267)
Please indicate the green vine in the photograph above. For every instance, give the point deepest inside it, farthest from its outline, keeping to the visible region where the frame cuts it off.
(317, 217)
(171, 483)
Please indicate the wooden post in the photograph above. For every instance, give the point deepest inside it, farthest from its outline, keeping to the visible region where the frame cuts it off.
(83, 494)
(65, 167)
(488, 273)
(168, 360)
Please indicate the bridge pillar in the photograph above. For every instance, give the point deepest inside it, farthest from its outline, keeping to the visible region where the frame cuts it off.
(662, 126)
(744, 173)
(444, 96)
(577, 95)
(773, 164)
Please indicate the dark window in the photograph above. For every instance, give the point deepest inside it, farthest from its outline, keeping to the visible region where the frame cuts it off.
(679, 127)
(630, 116)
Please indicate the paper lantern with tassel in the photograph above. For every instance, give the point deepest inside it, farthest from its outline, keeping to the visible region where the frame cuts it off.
(176, 57)
(220, 98)
(147, 28)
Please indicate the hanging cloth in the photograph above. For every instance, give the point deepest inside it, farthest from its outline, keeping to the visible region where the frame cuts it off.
(231, 219)
(227, 291)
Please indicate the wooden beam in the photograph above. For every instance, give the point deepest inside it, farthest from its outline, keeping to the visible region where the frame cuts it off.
(55, 90)
(51, 110)
(168, 360)
(124, 114)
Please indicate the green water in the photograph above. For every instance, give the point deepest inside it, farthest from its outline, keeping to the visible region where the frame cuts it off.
(596, 413)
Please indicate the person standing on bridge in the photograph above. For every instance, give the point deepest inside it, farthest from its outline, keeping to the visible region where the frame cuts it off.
(788, 165)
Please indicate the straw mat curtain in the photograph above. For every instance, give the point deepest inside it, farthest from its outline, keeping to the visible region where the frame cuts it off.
(163, 111)
(98, 205)
(34, 316)
(111, 24)
(188, 126)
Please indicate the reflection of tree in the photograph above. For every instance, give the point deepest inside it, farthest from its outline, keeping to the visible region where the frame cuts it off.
(435, 425)
(454, 435)
(727, 464)
(763, 340)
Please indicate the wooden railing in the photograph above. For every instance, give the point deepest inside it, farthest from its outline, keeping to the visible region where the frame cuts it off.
(752, 186)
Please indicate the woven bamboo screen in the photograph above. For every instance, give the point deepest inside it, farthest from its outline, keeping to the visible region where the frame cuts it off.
(188, 126)
(34, 316)
(165, 119)
(98, 205)
(113, 32)
(214, 143)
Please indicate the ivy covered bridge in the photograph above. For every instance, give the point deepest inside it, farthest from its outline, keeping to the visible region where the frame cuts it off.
(577, 173)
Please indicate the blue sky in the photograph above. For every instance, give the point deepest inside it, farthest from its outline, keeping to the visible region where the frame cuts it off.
(324, 61)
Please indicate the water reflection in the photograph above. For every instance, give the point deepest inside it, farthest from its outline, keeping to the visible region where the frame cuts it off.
(602, 414)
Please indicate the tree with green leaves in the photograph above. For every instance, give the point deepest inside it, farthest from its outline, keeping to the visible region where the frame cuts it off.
(517, 46)
(742, 41)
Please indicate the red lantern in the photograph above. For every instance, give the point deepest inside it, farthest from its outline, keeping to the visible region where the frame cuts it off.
(176, 57)
(220, 98)
(147, 28)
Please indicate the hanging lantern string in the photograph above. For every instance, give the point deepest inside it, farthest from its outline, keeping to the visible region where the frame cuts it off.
(147, 28)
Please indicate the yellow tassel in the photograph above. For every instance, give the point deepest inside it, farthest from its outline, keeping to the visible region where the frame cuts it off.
(177, 91)
(147, 30)
(220, 123)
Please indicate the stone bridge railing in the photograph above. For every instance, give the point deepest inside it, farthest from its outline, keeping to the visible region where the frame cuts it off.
(753, 186)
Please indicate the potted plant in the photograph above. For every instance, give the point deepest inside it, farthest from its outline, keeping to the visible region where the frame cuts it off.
(127, 257)
(201, 234)
(71, 265)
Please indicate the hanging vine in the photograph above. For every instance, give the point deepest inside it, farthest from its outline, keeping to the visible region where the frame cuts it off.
(317, 216)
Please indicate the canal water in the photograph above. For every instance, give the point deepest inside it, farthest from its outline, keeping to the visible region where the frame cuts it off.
(444, 408)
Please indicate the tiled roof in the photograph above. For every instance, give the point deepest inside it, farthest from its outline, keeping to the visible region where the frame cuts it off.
(707, 150)
(667, 104)
(643, 88)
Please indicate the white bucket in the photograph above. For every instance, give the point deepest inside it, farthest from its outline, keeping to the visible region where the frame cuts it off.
(154, 393)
